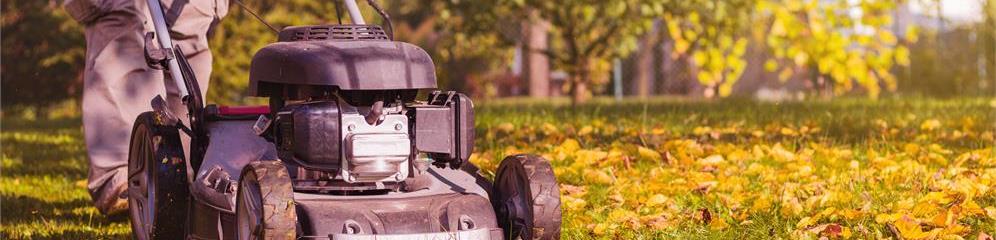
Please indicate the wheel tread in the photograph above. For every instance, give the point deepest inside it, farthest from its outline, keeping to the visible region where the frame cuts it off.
(544, 193)
(277, 194)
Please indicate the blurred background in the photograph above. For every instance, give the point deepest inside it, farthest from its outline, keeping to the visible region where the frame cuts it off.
(702, 119)
(577, 50)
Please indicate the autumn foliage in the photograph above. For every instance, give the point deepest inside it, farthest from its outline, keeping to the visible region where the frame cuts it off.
(915, 170)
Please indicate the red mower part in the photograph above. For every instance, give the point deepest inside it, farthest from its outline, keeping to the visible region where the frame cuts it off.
(243, 110)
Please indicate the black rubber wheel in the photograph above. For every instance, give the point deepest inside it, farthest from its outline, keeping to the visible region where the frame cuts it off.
(526, 198)
(264, 206)
(157, 180)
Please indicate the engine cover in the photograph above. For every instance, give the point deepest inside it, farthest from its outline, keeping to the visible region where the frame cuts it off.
(309, 135)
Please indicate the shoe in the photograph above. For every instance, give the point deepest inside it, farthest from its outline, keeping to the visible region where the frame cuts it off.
(113, 204)
(120, 206)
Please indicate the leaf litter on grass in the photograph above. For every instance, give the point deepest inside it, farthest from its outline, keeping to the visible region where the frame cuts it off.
(911, 169)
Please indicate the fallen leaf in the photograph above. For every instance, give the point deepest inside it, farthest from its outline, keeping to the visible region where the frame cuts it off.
(984, 236)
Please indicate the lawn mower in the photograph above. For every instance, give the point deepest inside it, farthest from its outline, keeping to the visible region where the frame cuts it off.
(346, 149)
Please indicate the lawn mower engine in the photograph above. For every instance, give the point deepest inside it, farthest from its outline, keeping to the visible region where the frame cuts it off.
(344, 111)
(368, 140)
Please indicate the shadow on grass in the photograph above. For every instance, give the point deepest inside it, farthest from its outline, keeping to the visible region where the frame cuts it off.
(27, 217)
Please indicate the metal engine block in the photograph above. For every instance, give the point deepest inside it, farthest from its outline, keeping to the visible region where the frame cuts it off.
(332, 140)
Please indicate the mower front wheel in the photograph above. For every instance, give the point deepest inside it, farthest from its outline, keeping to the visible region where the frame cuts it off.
(264, 205)
(526, 198)
(157, 180)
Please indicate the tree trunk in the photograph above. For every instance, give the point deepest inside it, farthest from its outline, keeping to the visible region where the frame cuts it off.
(644, 76)
(537, 64)
(989, 39)
(580, 80)
(580, 92)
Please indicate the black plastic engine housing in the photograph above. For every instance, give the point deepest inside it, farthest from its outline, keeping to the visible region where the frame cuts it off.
(444, 127)
(308, 134)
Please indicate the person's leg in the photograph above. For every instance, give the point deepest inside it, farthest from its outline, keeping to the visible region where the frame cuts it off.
(118, 86)
(192, 20)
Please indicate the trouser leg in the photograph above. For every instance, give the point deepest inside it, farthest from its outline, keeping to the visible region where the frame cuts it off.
(118, 86)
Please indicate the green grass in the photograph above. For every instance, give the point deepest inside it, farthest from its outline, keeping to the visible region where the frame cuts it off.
(853, 125)
(43, 171)
(43, 184)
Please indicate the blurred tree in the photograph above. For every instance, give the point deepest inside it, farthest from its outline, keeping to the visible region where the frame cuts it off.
(712, 36)
(957, 60)
(588, 34)
(841, 42)
(476, 44)
(987, 38)
(953, 73)
(43, 52)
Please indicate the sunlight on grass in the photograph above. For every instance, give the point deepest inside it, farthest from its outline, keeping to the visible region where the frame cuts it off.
(43, 185)
(742, 169)
(663, 168)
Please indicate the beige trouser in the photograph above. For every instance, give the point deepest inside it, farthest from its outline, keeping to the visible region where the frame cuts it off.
(117, 83)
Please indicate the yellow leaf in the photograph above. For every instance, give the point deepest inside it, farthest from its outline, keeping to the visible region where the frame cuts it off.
(954, 230)
(648, 154)
(598, 177)
(657, 199)
(718, 224)
(585, 131)
(930, 125)
(572, 203)
(570, 146)
(712, 160)
(910, 229)
(806, 222)
(887, 218)
(549, 128)
(911, 148)
(845, 232)
(506, 127)
(600, 229)
(942, 219)
(761, 204)
(757, 134)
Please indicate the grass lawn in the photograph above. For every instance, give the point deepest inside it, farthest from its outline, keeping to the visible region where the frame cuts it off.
(665, 168)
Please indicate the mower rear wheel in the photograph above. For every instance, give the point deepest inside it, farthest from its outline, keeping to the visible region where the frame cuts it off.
(264, 206)
(526, 198)
(157, 180)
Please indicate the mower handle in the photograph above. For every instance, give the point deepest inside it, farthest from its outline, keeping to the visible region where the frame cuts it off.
(354, 12)
(162, 34)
